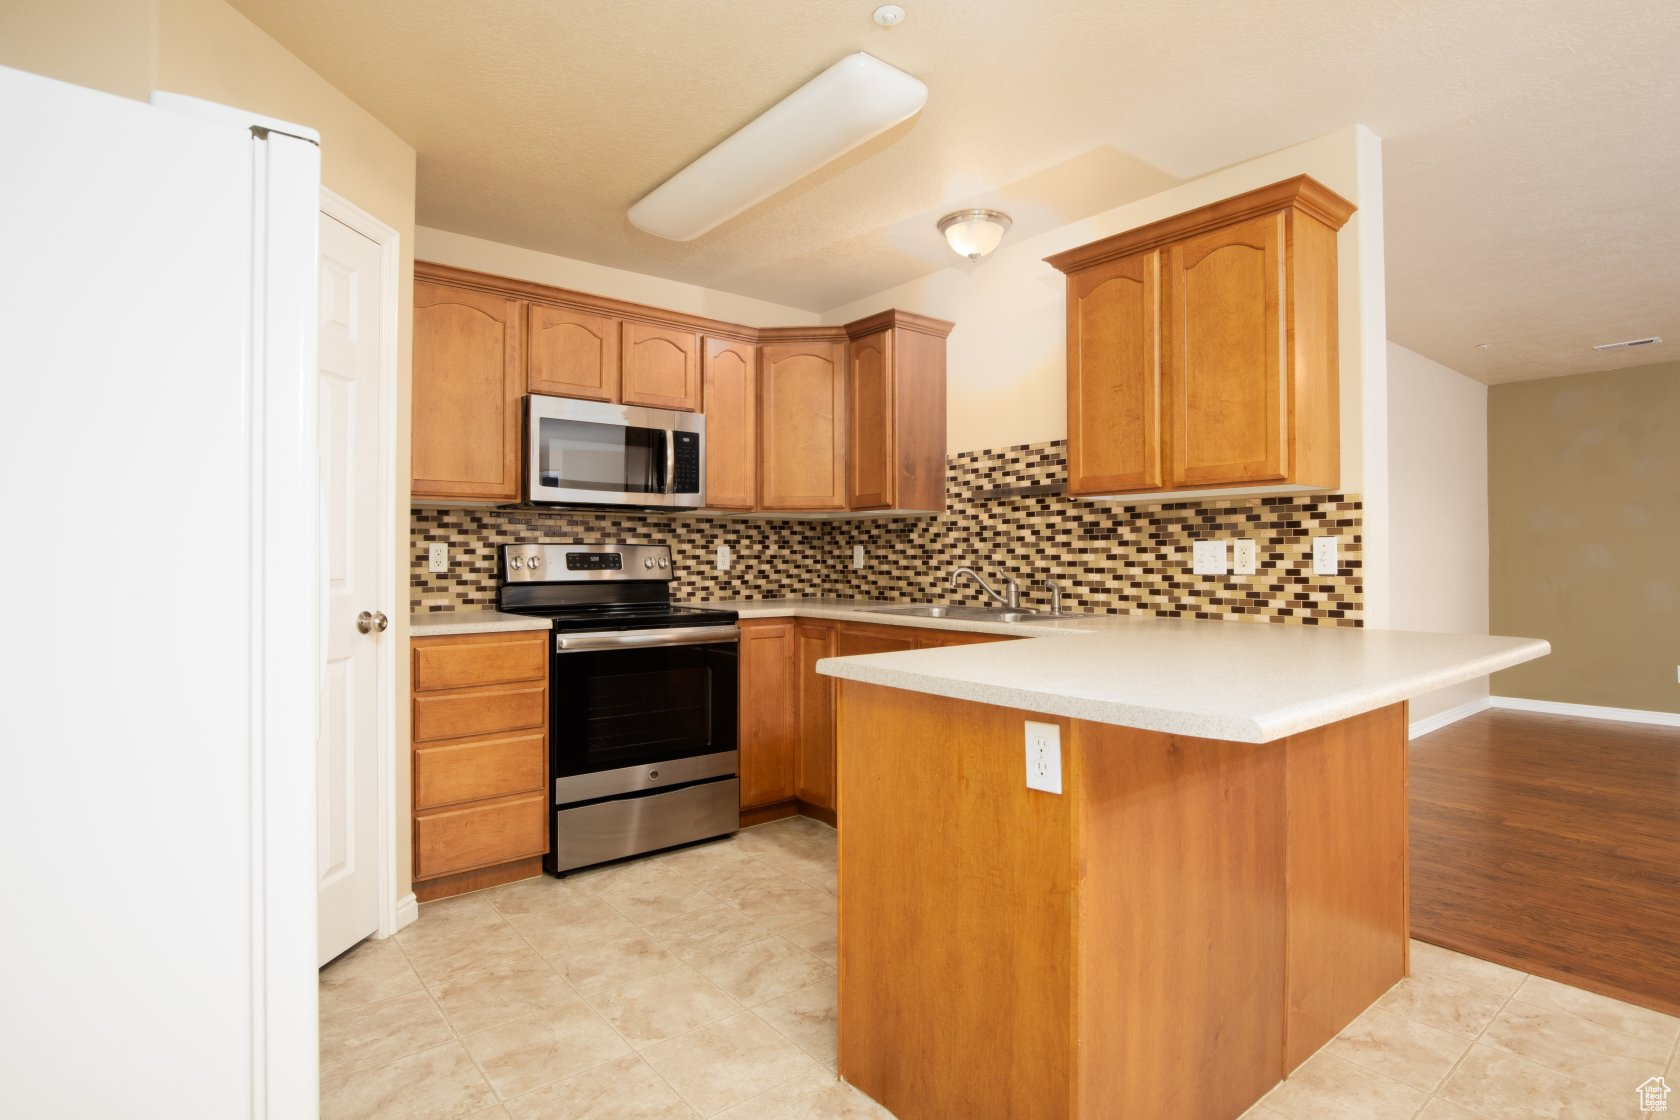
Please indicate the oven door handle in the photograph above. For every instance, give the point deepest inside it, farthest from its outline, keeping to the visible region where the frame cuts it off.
(646, 639)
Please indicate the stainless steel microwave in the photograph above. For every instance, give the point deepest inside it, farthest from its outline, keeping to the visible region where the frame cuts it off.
(587, 453)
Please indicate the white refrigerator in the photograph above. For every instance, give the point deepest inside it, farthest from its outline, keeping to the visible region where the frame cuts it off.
(159, 627)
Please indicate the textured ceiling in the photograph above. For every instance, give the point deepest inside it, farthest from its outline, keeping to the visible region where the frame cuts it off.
(1530, 146)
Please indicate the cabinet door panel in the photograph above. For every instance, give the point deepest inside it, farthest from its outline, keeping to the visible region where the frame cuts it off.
(661, 367)
(467, 385)
(766, 719)
(1114, 376)
(1225, 354)
(872, 473)
(572, 353)
(803, 420)
(813, 778)
(730, 380)
(857, 639)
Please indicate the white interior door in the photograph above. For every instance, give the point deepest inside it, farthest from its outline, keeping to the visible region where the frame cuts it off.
(348, 744)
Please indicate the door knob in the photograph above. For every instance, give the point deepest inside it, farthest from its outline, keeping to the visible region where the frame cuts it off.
(369, 621)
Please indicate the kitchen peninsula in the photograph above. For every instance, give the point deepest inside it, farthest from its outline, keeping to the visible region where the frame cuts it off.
(1218, 889)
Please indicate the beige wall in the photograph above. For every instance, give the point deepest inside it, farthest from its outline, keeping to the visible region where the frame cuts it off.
(1438, 508)
(1584, 496)
(101, 44)
(461, 251)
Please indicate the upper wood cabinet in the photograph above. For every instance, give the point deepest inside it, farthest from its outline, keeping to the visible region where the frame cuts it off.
(571, 353)
(729, 378)
(661, 367)
(1202, 348)
(468, 379)
(802, 421)
(897, 410)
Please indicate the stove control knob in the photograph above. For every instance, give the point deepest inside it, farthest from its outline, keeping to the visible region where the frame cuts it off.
(515, 563)
(663, 563)
(647, 562)
(534, 563)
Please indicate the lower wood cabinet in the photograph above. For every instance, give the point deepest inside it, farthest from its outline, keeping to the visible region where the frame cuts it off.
(787, 726)
(766, 728)
(480, 760)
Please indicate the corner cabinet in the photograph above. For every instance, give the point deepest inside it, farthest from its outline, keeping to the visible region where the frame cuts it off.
(897, 412)
(802, 420)
(468, 380)
(1202, 348)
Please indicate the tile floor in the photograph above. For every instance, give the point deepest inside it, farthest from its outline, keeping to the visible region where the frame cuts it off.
(702, 983)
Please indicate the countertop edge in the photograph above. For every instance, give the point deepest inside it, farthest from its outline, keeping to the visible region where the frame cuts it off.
(440, 624)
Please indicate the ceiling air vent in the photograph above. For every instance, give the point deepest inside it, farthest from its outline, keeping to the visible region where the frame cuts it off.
(1628, 345)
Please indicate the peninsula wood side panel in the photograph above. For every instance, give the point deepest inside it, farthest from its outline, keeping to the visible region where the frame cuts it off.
(1346, 795)
(1185, 906)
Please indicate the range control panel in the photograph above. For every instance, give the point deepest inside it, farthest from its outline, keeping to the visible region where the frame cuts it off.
(574, 563)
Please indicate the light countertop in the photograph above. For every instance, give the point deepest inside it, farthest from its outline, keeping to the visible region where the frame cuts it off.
(1248, 682)
(436, 624)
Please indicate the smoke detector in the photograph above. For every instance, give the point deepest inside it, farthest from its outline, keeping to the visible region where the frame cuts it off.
(1628, 344)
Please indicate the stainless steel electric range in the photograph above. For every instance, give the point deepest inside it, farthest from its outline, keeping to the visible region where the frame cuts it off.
(642, 724)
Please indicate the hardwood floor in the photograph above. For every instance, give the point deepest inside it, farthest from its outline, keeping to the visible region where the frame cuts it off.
(1552, 845)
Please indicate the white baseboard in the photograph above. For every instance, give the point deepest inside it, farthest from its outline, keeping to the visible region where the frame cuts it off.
(1586, 711)
(1452, 715)
(408, 911)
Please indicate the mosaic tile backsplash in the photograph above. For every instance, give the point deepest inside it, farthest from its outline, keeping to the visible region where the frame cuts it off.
(1107, 557)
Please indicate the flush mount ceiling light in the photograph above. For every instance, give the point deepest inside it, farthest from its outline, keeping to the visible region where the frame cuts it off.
(974, 233)
(855, 100)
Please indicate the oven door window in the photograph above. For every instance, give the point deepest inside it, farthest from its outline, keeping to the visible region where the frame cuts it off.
(603, 458)
(617, 708)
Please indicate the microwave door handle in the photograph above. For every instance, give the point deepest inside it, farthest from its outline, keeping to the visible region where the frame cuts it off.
(670, 462)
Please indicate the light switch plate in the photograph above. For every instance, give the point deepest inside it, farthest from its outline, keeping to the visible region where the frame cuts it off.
(1208, 558)
(437, 559)
(1044, 756)
(1325, 562)
(1245, 557)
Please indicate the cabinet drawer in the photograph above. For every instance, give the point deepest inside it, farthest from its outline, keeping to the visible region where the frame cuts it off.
(453, 771)
(451, 715)
(465, 662)
(480, 835)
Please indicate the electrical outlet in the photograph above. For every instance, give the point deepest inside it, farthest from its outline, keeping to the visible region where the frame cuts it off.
(437, 559)
(1245, 557)
(1208, 558)
(725, 559)
(857, 556)
(1044, 757)
(1324, 556)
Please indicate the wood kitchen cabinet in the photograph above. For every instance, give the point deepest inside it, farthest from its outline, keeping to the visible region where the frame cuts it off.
(813, 770)
(661, 367)
(765, 730)
(1202, 349)
(571, 352)
(897, 412)
(479, 712)
(467, 384)
(729, 378)
(802, 420)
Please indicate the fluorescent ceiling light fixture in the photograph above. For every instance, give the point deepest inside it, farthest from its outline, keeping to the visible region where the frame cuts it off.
(855, 100)
(974, 233)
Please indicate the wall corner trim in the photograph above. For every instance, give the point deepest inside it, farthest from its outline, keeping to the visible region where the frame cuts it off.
(407, 913)
(1585, 711)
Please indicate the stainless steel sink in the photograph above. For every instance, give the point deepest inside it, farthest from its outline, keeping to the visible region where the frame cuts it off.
(975, 614)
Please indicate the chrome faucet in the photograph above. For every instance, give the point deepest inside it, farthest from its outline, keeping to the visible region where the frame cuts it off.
(1010, 601)
(1055, 594)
